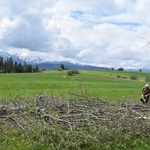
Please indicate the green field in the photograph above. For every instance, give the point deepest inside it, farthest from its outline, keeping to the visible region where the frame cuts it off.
(79, 120)
(100, 84)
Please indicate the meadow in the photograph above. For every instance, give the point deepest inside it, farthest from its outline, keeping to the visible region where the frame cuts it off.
(100, 84)
(91, 110)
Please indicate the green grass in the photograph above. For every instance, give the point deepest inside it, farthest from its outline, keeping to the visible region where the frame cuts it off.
(101, 84)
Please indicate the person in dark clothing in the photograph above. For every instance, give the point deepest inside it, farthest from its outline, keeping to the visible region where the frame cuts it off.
(145, 94)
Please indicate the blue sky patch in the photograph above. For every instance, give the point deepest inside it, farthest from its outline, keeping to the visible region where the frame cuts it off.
(75, 14)
(134, 24)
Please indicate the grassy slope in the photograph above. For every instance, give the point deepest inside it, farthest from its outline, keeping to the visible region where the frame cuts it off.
(101, 84)
(107, 86)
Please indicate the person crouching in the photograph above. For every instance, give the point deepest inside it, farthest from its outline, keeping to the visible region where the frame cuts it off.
(145, 94)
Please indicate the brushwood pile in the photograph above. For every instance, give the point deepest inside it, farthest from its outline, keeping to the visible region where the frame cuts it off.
(78, 120)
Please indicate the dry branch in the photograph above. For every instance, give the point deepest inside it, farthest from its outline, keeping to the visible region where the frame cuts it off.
(76, 115)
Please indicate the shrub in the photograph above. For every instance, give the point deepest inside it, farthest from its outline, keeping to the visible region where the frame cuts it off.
(147, 79)
(72, 72)
(118, 76)
(133, 77)
(69, 73)
(75, 71)
(59, 68)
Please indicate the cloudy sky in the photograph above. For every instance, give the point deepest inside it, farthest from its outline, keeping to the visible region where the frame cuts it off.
(110, 33)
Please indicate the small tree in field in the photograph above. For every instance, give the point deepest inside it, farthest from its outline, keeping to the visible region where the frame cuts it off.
(62, 66)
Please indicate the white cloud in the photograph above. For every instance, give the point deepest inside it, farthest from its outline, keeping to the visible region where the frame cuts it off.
(104, 32)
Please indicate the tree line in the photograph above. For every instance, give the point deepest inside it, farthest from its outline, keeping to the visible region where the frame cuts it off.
(9, 66)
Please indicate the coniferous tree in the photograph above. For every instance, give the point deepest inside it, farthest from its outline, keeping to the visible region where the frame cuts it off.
(15, 67)
(9, 66)
(62, 66)
(1, 63)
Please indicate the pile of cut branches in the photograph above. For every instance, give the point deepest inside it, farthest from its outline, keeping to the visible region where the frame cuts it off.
(73, 123)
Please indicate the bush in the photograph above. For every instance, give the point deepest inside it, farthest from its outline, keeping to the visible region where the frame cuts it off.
(75, 71)
(69, 73)
(118, 76)
(72, 72)
(59, 68)
(147, 79)
(133, 77)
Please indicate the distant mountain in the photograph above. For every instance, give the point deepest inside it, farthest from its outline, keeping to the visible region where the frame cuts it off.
(53, 65)
(145, 70)
(37, 61)
(6, 55)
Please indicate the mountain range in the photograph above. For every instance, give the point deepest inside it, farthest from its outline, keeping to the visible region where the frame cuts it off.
(49, 65)
(52, 65)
